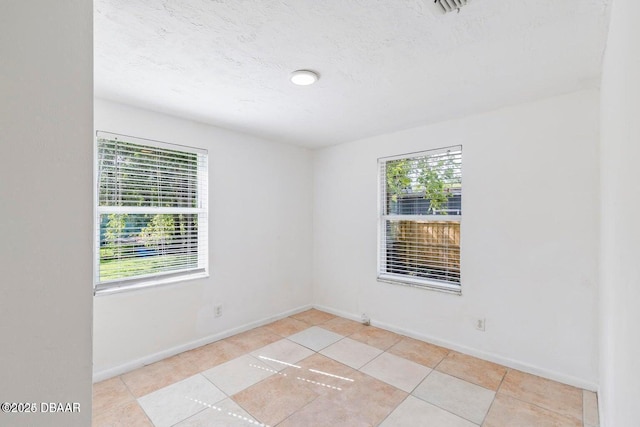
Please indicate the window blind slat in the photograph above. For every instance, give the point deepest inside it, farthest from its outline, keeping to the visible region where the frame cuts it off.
(152, 209)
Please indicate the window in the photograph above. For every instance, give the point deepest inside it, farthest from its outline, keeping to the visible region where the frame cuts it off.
(151, 212)
(420, 212)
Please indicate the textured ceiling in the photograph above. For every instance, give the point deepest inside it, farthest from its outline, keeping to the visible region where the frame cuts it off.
(384, 65)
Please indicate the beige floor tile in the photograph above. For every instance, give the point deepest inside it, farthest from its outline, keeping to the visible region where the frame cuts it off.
(324, 375)
(343, 392)
(315, 338)
(281, 354)
(177, 402)
(507, 411)
(157, 375)
(110, 394)
(333, 386)
(351, 353)
(477, 371)
(319, 362)
(342, 326)
(287, 326)
(313, 316)
(324, 412)
(419, 352)
(253, 339)
(238, 374)
(376, 337)
(210, 355)
(415, 412)
(557, 397)
(223, 414)
(130, 414)
(590, 408)
(396, 371)
(457, 396)
(275, 398)
(369, 399)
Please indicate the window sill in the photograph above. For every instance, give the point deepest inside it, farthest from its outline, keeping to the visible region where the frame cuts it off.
(429, 285)
(145, 283)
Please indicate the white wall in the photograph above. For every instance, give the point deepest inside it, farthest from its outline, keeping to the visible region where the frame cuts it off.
(260, 219)
(620, 283)
(46, 96)
(529, 237)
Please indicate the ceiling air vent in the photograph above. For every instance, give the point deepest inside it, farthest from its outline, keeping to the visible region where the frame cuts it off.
(446, 6)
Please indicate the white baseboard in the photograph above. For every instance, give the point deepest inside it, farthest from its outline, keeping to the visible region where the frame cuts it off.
(155, 357)
(491, 357)
(340, 313)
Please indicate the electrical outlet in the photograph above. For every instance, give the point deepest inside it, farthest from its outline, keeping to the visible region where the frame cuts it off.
(217, 310)
(480, 324)
(365, 319)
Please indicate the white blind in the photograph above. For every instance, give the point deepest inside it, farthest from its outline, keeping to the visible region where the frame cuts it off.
(151, 209)
(421, 208)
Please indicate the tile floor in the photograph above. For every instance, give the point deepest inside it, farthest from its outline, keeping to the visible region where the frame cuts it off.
(316, 369)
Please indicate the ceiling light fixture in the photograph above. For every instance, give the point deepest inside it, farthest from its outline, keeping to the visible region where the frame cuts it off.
(446, 6)
(304, 77)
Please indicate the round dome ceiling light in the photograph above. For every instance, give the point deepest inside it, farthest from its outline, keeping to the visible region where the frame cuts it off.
(304, 77)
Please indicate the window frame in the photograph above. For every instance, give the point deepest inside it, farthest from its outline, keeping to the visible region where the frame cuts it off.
(164, 277)
(383, 218)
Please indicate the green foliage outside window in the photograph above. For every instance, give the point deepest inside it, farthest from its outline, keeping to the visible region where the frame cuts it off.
(433, 176)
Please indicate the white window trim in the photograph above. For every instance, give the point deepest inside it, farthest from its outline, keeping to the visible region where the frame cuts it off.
(157, 279)
(404, 280)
